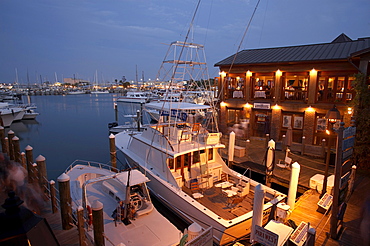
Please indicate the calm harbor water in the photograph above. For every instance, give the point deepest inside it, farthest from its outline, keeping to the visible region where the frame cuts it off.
(74, 127)
(69, 127)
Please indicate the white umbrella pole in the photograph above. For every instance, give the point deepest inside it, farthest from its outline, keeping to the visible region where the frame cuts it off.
(231, 146)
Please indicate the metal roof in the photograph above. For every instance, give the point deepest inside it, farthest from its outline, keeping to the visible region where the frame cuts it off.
(340, 48)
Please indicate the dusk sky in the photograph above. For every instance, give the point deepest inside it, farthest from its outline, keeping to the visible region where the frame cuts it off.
(79, 37)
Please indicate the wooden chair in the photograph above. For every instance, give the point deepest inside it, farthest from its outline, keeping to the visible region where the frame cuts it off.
(195, 189)
(285, 163)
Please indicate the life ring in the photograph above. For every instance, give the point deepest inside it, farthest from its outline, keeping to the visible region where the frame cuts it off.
(89, 215)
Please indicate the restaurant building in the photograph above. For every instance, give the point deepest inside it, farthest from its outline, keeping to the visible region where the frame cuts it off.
(267, 91)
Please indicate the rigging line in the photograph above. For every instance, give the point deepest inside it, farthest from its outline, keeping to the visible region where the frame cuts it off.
(263, 23)
(245, 33)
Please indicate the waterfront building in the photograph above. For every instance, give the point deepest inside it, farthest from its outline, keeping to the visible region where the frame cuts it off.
(268, 91)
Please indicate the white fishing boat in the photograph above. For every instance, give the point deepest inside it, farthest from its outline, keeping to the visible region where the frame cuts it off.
(134, 97)
(30, 114)
(76, 92)
(181, 157)
(140, 224)
(159, 110)
(7, 117)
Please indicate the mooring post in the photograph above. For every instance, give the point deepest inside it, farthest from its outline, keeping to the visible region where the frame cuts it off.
(115, 112)
(23, 160)
(80, 226)
(6, 146)
(29, 162)
(65, 201)
(113, 152)
(293, 185)
(257, 219)
(35, 173)
(2, 136)
(17, 149)
(98, 223)
(11, 149)
(43, 179)
(53, 197)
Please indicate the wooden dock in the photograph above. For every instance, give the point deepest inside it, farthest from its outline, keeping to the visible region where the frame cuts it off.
(64, 237)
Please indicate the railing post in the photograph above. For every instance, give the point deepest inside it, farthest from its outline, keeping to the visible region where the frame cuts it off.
(29, 163)
(53, 197)
(41, 164)
(80, 226)
(11, 148)
(17, 149)
(112, 147)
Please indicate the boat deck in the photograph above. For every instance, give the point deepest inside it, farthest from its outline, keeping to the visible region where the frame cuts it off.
(226, 207)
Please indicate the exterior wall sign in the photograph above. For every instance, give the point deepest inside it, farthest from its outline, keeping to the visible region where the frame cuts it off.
(261, 105)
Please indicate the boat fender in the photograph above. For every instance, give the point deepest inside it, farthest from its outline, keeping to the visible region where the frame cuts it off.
(89, 215)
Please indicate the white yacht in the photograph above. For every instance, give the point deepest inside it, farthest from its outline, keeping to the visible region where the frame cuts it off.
(181, 157)
(134, 97)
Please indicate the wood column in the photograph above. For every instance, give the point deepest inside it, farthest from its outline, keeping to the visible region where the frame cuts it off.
(98, 223)
(65, 201)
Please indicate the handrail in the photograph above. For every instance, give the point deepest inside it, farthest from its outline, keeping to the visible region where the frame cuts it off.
(91, 163)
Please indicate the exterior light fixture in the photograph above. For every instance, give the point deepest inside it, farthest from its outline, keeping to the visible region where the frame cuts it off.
(349, 110)
(222, 104)
(223, 74)
(333, 115)
(313, 72)
(278, 72)
(276, 106)
(310, 109)
(247, 105)
(249, 73)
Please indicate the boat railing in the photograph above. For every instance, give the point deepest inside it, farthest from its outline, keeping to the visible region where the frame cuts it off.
(92, 164)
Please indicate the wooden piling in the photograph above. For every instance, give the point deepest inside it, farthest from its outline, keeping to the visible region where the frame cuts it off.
(29, 163)
(2, 138)
(35, 173)
(23, 160)
(98, 223)
(113, 152)
(115, 112)
(6, 146)
(267, 140)
(65, 201)
(11, 148)
(53, 197)
(42, 174)
(17, 150)
(80, 226)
